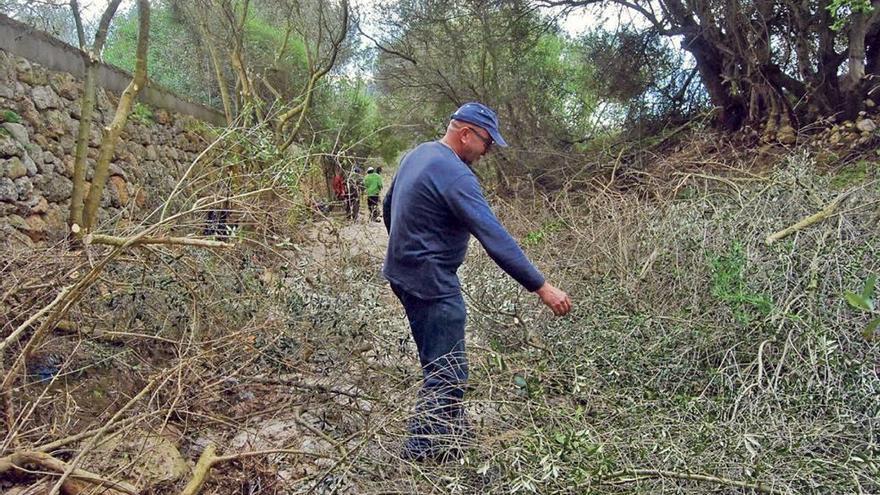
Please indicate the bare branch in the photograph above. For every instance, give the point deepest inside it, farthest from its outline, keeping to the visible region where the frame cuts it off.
(386, 49)
(110, 240)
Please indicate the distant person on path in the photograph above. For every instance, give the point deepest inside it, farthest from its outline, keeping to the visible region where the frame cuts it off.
(372, 187)
(434, 204)
(353, 187)
(339, 187)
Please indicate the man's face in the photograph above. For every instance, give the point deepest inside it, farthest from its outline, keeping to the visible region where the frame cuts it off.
(477, 142)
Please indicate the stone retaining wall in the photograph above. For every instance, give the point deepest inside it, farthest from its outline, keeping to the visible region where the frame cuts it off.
(39, 111)
(42, 48)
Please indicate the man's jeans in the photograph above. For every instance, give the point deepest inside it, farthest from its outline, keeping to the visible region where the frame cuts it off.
(438, 330)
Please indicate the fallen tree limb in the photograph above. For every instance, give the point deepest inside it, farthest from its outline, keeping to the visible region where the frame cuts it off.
(824, 213)
(54, 312)
(110, 240)
(723, 180)
(633, 475)
(71, 486)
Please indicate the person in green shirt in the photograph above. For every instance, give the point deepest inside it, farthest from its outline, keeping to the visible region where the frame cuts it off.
(373, 186)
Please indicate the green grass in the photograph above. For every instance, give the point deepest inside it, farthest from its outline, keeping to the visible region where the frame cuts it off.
(142, 114)
(7, 115)
(852, 174)
(729, 285)
(536, 237)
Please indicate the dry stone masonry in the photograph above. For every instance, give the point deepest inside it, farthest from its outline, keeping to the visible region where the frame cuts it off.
(39, 117)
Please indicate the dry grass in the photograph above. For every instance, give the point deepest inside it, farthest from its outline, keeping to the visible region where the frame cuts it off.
(697, 359)
(694, 348)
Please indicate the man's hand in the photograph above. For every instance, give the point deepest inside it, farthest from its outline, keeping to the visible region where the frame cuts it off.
(555, 299)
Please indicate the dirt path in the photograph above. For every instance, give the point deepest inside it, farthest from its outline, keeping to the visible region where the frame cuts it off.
(342, 237)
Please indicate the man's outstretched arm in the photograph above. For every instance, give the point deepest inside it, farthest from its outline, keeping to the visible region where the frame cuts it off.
(465, 198)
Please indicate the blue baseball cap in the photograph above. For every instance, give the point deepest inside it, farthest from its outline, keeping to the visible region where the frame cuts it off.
(483, 116)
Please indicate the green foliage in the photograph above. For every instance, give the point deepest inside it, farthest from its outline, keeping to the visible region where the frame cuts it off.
(7, 115)
(351, 123)
(559, 453)
(536, 237)
(866, 302)
(174, 54)
(503, 54)
(852, 174)
(141, 114)
(198, 127)
(841, 10)
(178, 58)
(560, 97)
(650, 86)
(729, 284)
(263, 40)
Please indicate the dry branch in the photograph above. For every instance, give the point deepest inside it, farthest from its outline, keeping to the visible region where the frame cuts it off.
(39, 314)
(639, 474)
(200, 472)
(723, 180)
(110, 240)
(18, 460)
(57, 444)
(209, 459)
(93, 440)
(823, 214)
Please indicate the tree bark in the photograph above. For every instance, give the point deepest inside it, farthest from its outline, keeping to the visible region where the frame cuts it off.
(87, 103)
(853, 83)
(872, 51)
(317, 71)
(123, 109)
(202, 24)
(237, 58)
(732, 109)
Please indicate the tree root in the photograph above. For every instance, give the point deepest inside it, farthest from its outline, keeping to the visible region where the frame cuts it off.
(633, 475)
(79, 480)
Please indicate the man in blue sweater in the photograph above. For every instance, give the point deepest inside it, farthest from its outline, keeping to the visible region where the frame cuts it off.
(434, 204)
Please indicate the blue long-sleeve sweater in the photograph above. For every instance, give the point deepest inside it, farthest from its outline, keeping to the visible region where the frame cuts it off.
(433, 206)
